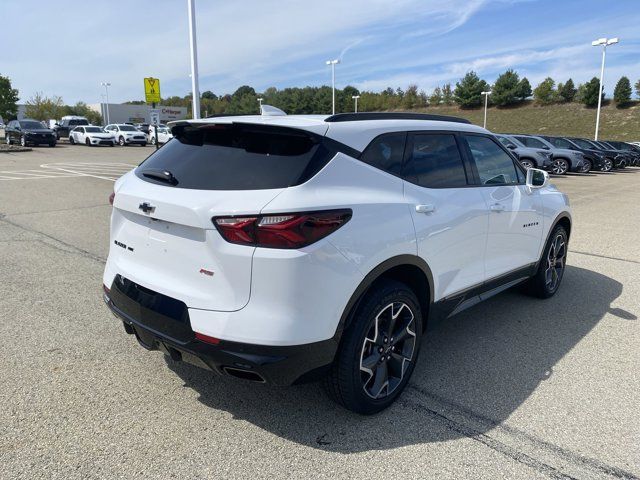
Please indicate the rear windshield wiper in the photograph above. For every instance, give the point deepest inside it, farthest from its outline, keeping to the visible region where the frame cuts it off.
(162, 175)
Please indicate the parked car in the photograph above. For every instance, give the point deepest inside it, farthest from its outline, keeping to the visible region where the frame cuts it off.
(29, 132)
(632, 151)
(91, 136)
(597, 159)
(143, 127)
(528, 157)
(164, 135)
(314, 246)
(126, 134)
(67, 124)
(563, 159)
(620, 159)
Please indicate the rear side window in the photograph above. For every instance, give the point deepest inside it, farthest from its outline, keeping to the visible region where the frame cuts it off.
(385, 152)
(532, 142)
(237, 157)
(435, 162)
(560, 143)
(494, 165)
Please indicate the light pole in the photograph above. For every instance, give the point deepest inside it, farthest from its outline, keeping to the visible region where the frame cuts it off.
(194, 59)
(356, 97)
(605, 42)
(486, 103)
(260, 102)
(333, 64)
(106, 86)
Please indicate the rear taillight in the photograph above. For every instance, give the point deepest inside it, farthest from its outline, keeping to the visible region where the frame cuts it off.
(286, 230)
(112, 198)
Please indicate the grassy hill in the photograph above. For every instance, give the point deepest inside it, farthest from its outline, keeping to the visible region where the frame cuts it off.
(563, 119)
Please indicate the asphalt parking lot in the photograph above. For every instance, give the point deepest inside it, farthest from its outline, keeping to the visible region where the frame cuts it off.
(513, 388)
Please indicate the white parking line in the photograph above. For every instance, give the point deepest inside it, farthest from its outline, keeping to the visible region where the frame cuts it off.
(104, 171)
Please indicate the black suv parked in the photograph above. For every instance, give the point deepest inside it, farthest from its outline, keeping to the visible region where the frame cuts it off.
(29, 132)
(67, 124)
(631, 150)
(620, 159)
(596, 157)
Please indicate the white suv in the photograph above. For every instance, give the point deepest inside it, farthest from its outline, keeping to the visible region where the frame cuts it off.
(281, 249)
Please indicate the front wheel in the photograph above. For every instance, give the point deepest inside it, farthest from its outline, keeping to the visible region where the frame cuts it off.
(559, 166)
(23, 141)
(71, 140)
(586, 166)
(546, 281)
(121, 142)
(607, 165)
(153, 140)
(378, 351)
(87, 142)
(7, 139)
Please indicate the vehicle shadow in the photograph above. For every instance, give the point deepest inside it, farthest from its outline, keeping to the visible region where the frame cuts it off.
(483, 363)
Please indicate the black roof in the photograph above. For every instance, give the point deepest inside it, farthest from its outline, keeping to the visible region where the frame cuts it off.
(355, 117)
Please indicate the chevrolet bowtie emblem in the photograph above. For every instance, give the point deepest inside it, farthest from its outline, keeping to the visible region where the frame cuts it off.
(146, 207)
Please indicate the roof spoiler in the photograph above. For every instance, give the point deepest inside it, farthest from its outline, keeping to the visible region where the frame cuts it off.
(355, 117)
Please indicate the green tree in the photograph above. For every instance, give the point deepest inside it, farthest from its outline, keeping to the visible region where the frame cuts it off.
(567, 91)
(545, 92)
(411, 99)
(436, 97)
(40, 107)
(588, 92)
(524, 89)
(506, 90)
(8, 100)
(468, 90)
(208, 95)
(637, 85)
(622, 92)
(447, 94)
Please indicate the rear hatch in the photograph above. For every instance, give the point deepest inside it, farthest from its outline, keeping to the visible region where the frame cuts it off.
(162, 234)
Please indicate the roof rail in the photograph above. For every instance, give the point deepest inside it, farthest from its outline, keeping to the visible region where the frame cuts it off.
(355, 117)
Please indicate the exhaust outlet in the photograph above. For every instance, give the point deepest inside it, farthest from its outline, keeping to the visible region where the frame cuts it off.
(243, 374)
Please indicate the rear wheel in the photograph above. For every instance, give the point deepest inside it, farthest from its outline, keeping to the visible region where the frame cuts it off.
(23, 141)
(546, 281)
(378, 351)
(153, 140)
(7, 139)
(559, 166)
(526, 163)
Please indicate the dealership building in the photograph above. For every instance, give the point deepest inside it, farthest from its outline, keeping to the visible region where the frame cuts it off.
(126, 113)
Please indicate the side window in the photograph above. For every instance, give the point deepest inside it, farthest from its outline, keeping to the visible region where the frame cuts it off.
(385, 152)
(494, 165)
(435, 162)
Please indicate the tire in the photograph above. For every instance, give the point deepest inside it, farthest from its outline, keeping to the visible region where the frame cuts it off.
(607, 165)
(121, 142)
(71, 140)
(559, 166)
(52, 144)
(586, 166)
(87, 142)
(546, 281)
(23, 141)
(358, 374)
(153, 140)
(527, 164)
(7, 139)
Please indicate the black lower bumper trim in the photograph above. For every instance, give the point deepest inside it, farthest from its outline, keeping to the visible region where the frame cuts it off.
(276, 365)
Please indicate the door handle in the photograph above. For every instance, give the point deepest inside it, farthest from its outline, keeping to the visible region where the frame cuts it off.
(430, 208)
(497, 207)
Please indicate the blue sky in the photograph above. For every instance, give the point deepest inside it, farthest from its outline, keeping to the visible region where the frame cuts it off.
(67, 49)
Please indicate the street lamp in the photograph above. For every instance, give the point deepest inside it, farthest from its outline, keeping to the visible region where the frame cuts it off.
(106, 86)
(605, 42)
(486, 103)
(260, 102)
(356, 97)
(333, 64)
(194, 59)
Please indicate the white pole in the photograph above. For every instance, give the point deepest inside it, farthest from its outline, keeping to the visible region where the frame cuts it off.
(333, 88)
(486, 102)
(604, 52)
(106, 88)
(194, 59)
(356, 104)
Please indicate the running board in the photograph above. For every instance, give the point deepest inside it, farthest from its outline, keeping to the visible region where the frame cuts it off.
(470, 302)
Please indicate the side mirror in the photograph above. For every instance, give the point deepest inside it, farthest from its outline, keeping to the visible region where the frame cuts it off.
(511, 146)
(536, 179)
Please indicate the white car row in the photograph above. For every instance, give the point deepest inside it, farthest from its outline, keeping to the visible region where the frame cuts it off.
(122, 134)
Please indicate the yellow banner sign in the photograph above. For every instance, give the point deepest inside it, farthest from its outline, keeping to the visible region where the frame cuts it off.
(152, 90)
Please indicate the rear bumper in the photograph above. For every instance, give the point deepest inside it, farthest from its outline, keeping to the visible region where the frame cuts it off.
(276, 365)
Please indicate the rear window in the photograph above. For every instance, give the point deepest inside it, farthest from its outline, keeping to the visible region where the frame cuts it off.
(238, 157)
